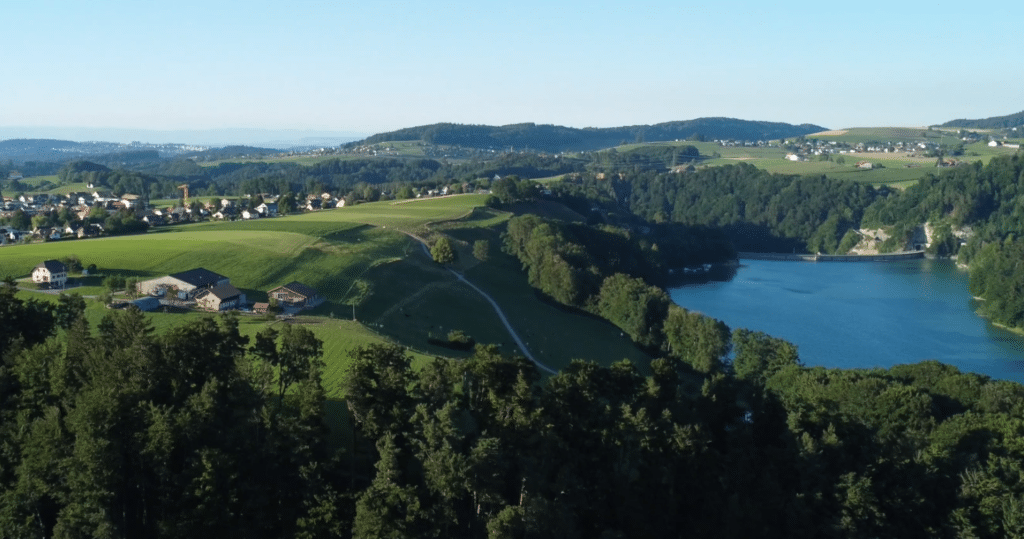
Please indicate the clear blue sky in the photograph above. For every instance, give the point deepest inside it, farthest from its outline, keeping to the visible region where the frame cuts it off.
(373, 66)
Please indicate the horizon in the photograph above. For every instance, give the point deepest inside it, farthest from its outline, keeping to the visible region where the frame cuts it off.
(267, 137)
(368, 69)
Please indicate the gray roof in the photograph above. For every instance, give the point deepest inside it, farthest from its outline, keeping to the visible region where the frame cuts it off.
(53, 266)
(147, 304)
(199, 277)
(223, 292)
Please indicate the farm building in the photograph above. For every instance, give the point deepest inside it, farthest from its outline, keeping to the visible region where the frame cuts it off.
(296, 295)
(148, 304)
(222, 297)
(51, 271)
(186, 285)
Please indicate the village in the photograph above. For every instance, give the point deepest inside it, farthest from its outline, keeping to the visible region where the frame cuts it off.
(82, 214)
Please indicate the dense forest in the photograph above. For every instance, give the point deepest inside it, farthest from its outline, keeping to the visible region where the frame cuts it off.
(119, 432)
(995, 122)
(555, 138)
(759, 211)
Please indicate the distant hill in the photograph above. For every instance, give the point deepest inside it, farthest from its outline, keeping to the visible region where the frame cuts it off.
(555, 138)
(995, 122)
(232, 152)
(60, 151)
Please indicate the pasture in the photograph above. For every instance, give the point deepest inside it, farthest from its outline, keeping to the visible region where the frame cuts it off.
(356, 257)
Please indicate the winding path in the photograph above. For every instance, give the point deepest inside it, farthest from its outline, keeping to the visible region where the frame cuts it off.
(497, 309)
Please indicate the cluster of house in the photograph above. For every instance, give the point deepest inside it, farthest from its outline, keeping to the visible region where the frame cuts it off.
(800, 152)
(78, 201)
(227, 209)
(211, 291)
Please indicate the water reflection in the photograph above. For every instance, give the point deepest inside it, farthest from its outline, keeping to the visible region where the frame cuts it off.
(860, 315)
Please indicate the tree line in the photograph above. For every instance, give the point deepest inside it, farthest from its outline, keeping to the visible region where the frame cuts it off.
(759, 211)
(614, 272)
(115, 431)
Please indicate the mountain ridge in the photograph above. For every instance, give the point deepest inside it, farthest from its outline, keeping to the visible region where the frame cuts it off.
(556, 138)
(993, 122)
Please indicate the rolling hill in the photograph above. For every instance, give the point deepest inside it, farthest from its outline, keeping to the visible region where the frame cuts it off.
(555, 138)
(995, 122)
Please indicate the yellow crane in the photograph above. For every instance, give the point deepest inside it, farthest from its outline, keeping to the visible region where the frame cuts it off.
(184, 187)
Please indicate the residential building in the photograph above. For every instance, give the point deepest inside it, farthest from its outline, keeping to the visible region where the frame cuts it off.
(296, 296)
(51, 271)
(222, 297)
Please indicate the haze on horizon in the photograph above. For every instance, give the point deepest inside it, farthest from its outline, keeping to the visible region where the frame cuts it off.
(357, 69)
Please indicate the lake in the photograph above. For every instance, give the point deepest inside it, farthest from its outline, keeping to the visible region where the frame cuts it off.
(862, 314)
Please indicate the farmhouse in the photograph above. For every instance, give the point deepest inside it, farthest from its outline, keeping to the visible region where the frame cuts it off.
(51, 271)
(267, 209)
(186, 285)
(220, 298)
(296, 295)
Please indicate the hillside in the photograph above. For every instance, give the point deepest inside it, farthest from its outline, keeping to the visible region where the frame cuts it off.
(59, 151)
(555, 138)
(995, 122)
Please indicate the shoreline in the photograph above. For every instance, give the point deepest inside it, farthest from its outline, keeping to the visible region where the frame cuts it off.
(793, 257)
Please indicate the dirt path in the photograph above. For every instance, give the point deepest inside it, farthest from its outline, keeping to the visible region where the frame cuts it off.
(497, 309)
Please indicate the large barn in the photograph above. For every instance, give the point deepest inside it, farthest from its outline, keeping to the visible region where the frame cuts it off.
(184, 285)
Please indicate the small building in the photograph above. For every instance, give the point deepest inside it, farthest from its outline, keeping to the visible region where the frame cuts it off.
(147, 304)
(296, 295)
(267, 209)
(222, 297)
(260, 308)
(51, 271)
(186, 285)
(130, 201)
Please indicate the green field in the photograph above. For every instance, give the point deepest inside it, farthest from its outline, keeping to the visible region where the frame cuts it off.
(856, 135)
(361, 259)
(898, 169)
(398, 149)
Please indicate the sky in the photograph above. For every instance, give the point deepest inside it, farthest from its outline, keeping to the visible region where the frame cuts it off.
(366, 67)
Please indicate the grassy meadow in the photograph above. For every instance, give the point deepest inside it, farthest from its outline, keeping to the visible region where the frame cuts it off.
(364, 262)
(898, 169)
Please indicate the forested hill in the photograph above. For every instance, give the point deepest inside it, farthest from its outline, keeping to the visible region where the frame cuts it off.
(61, 151)
(995, 122)
(556, 138)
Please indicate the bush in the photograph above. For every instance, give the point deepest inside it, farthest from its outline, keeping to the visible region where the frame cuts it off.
(442, 251)
(73, 263)
(481, 250)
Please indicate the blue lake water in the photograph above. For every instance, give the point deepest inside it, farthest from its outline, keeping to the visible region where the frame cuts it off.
(864, 314)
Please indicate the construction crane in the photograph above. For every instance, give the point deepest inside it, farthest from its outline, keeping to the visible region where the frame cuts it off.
(184, 187)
